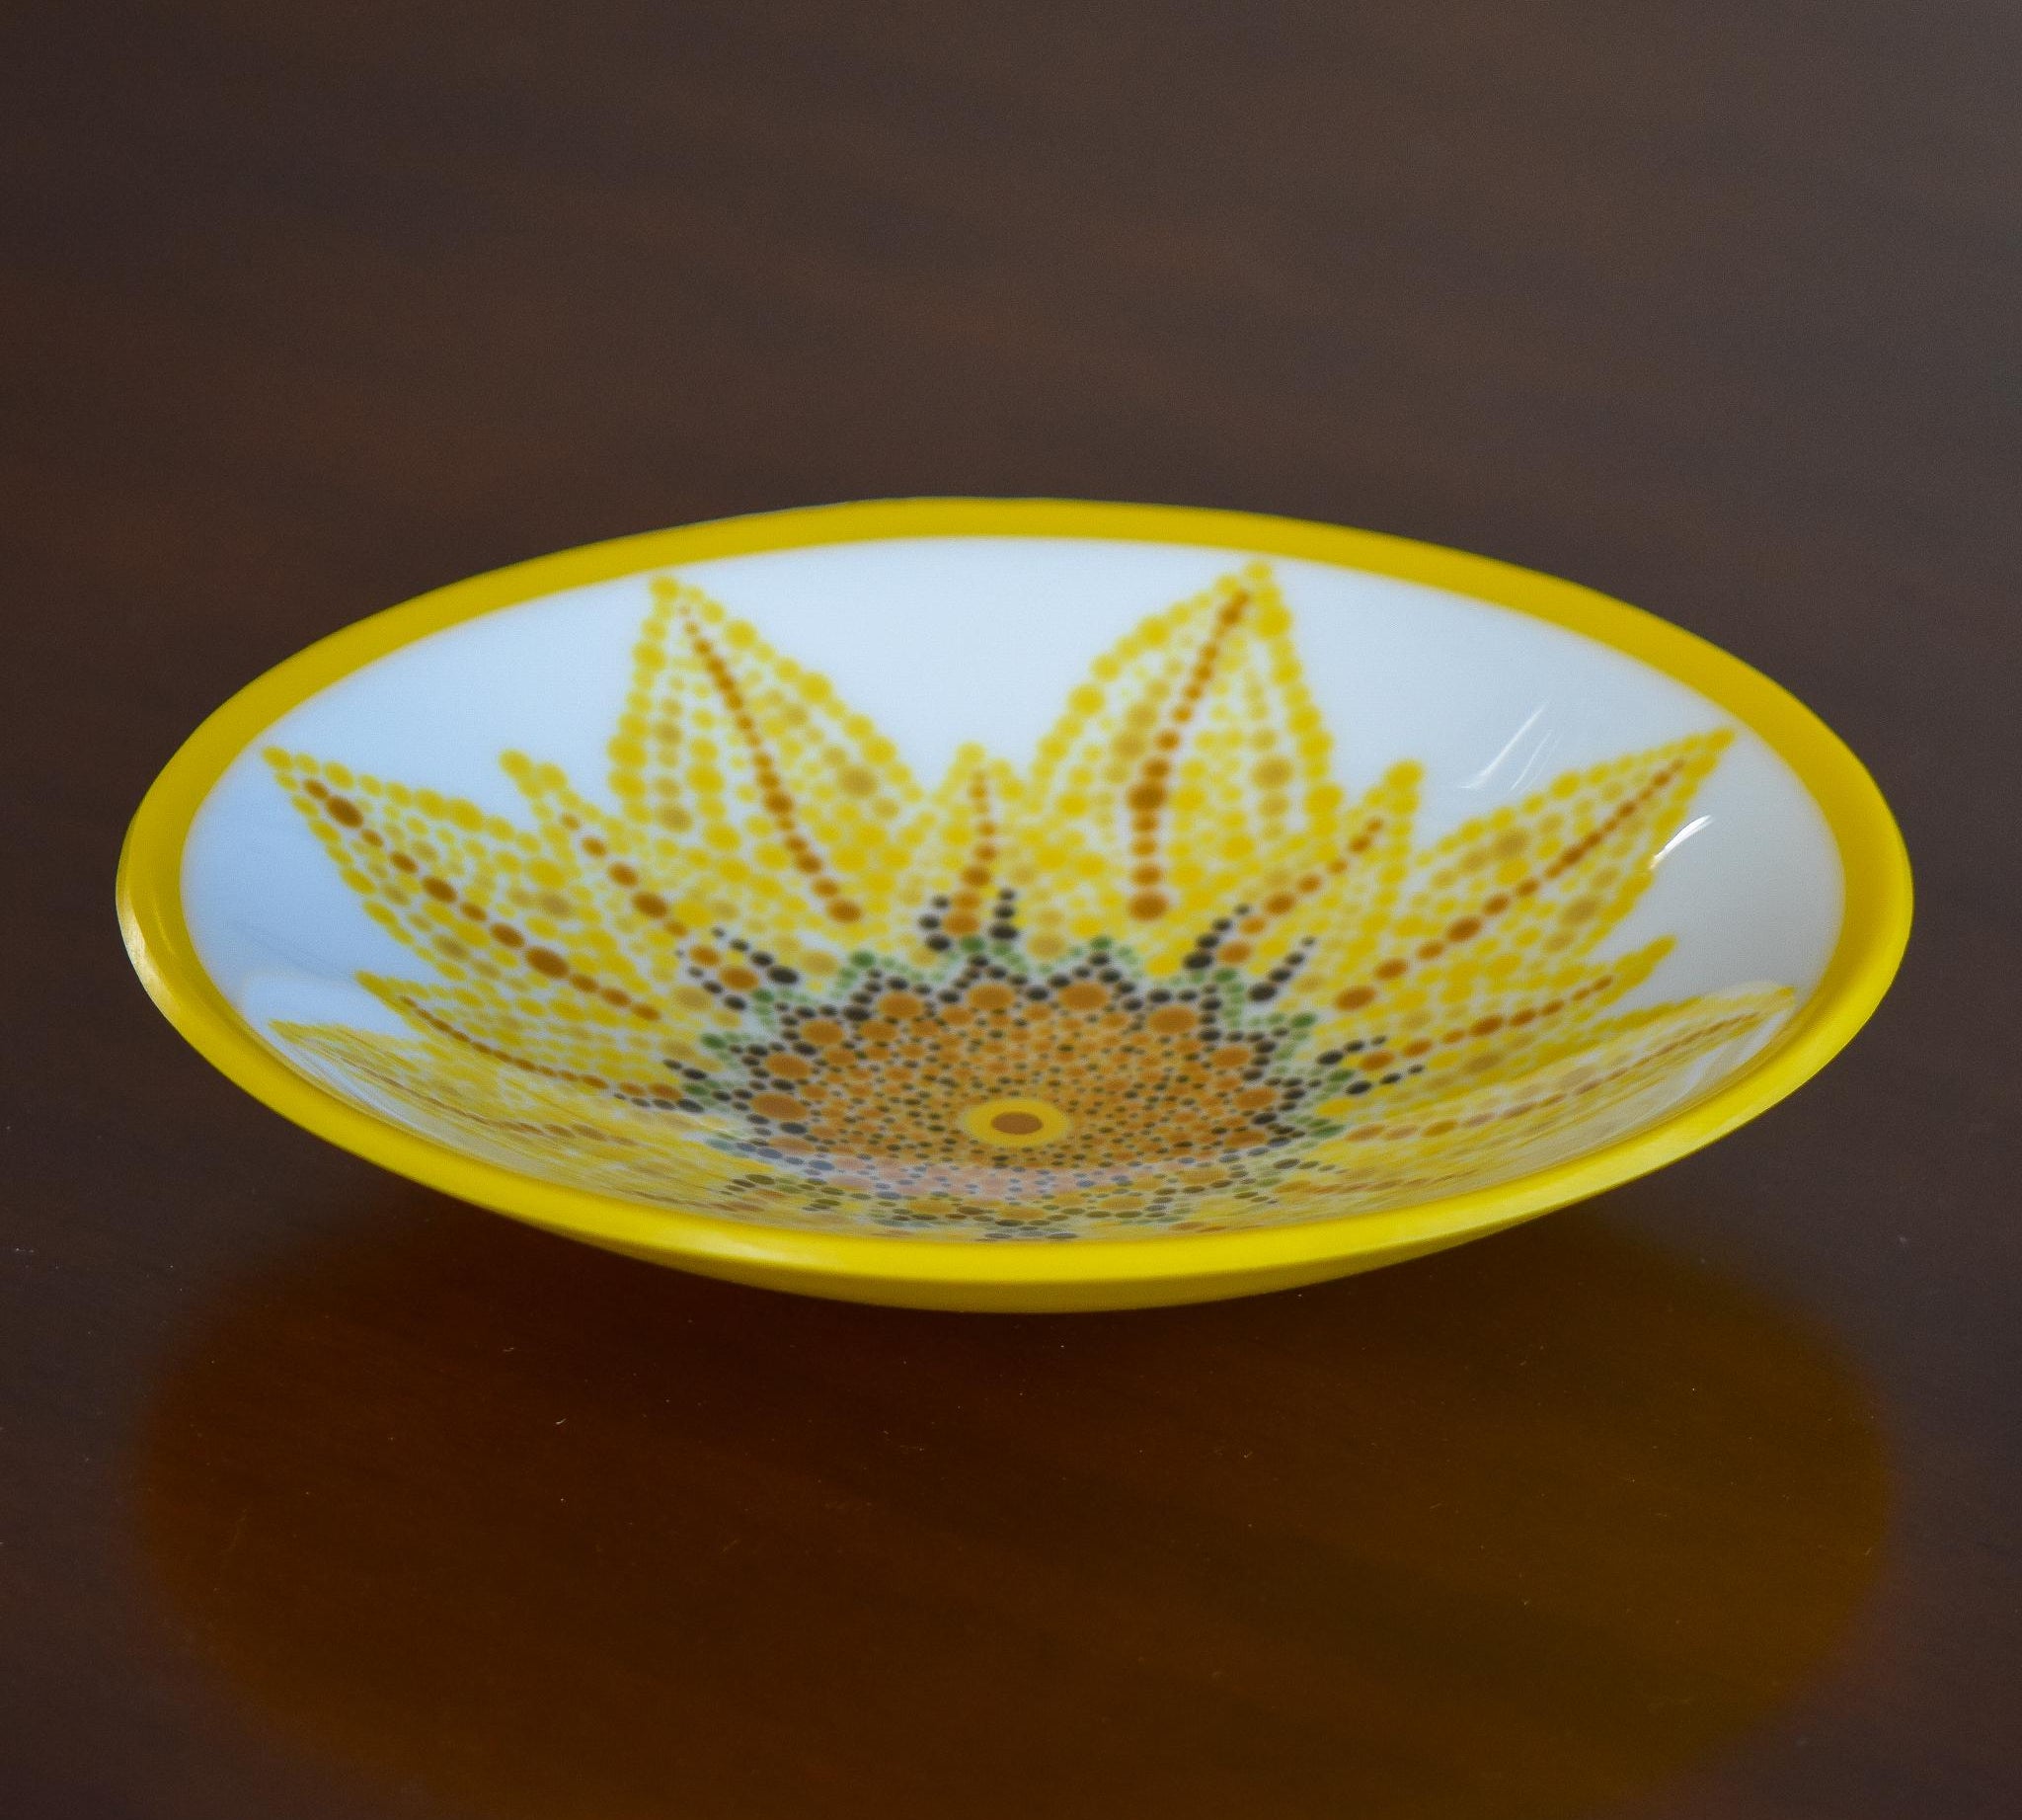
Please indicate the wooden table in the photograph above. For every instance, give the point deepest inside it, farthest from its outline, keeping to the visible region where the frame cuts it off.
(326, 1498)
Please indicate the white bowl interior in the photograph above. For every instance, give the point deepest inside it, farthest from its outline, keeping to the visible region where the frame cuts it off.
(947, 641)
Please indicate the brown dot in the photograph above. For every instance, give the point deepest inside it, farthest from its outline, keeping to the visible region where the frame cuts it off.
(622, 874)
(1235, 953)
(1495, 906)
(401, 864)
(649, 903)
(1149, 906)
(960, 922)
(441, 890)
(1390, 970)
(1084, 996)
(740, 979)
(789, 1066)
(877, 1030)
(822, 1032)
(777, 1106)
(343, 809)
(1147, 798)
(582, 983)
(1016, 1123)
(1172, 1020)
(594, 848)
(995, 997)
(1355, 997)
(1463, 927)
(1487, 1026)
(900, 1006)
(843, 910)
(547, 961)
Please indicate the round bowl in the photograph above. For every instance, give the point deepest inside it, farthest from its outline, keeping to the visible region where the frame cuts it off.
(1016, 903)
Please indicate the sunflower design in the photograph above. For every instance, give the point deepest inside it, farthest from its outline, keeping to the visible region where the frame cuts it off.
(1171, 977)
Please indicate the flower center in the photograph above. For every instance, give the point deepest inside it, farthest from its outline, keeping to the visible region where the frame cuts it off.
(1016, 1123)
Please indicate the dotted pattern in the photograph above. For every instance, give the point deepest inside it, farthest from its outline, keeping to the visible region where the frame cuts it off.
(1173, 978)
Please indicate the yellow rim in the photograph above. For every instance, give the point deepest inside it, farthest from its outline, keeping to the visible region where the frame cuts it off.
(1875, 929)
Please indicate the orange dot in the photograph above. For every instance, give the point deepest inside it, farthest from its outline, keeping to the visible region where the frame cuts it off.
(843, 910)
(1391, 968)
(1172, 1020)
(1355, 997)
(994, 996)
(649, 903)
(1463, 927)
(1084, 996)
(1015, 1124)
(622, 874)
(900, 1006)
(1149, 906)
(740, 979)
(343, 809)
(547, 961)
(788, 1066)
(777, 1106)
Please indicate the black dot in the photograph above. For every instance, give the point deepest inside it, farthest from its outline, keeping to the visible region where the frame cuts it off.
(1359, 1086)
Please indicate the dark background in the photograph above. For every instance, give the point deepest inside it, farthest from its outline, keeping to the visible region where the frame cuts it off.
(325, 1497)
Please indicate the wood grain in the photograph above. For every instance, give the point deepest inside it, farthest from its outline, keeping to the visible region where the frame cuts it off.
(324, 1497)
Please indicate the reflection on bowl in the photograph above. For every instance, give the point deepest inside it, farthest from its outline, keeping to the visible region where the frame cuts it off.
(526, 1533)
(1131, 949)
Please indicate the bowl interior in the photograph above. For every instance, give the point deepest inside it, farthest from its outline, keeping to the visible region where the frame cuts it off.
(1018, 889)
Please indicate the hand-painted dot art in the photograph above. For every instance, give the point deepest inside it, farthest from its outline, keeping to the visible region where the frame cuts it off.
(1169, 978)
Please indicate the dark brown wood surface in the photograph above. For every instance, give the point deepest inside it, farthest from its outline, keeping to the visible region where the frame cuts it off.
(323, 1497)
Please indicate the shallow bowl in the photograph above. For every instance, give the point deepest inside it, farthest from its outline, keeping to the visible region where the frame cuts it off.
(1016, 903)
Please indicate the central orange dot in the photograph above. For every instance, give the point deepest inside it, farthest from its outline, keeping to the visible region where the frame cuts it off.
(1017, 1124)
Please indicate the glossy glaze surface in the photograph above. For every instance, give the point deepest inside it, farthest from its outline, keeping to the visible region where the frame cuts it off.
(328, 1496)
